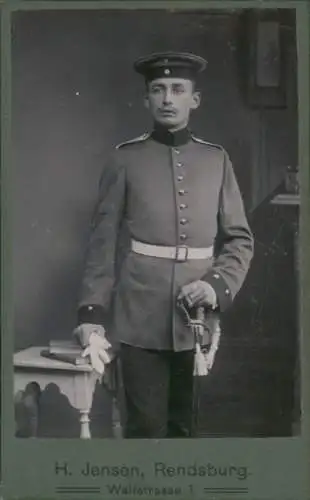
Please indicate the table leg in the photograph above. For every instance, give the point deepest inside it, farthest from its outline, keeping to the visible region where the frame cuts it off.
(84, 421)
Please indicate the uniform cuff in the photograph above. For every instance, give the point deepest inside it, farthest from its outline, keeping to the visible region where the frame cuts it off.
(223, 293)
(91, 314)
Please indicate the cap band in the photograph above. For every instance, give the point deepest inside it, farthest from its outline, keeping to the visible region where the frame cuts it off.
(170, 72)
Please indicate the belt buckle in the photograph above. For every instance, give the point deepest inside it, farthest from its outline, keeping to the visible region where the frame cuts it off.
(181, 253)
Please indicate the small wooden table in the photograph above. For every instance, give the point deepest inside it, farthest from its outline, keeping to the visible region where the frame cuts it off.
(75, 382)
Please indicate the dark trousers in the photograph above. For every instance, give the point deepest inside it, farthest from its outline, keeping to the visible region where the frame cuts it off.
(158, 387)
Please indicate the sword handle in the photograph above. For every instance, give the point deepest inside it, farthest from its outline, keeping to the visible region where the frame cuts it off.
(200, 313)
(199, 327)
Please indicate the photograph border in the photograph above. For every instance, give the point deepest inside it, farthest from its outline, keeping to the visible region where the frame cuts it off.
(282, 455)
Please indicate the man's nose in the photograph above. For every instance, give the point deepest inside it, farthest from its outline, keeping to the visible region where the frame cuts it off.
(167, 96)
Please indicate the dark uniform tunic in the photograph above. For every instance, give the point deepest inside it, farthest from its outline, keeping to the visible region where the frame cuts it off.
(163, 189)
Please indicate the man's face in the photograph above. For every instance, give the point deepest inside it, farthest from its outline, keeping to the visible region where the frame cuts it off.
(170, 101)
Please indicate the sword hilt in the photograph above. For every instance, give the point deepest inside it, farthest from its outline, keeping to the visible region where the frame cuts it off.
(200, 314)
(198, 324)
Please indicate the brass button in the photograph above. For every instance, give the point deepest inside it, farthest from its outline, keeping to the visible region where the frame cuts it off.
(180, 178)
(179, 164)
(182, 206)
(182, 192)
(216, 276)
(183, 236)
(176, 151)
(227, 291)
(183, 221)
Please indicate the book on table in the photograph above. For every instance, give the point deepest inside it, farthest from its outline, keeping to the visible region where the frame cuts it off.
(65, 350)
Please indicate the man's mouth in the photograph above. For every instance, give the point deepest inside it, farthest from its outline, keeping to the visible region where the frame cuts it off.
(167, 112)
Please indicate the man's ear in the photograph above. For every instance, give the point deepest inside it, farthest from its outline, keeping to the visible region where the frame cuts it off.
(196, 100)
(146, 102)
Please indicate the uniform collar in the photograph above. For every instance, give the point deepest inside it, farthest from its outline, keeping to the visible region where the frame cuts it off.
(164, 136)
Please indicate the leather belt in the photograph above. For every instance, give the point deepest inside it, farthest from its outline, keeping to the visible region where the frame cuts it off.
(180, 253)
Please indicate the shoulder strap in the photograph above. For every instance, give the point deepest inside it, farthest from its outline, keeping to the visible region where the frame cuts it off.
(202, 141)
(141, 138)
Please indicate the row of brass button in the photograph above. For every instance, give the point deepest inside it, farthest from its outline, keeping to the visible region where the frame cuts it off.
(181, 192)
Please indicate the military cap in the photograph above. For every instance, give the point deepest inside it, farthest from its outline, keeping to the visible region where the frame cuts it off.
(170, 64)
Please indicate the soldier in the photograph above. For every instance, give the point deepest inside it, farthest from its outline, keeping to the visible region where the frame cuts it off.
(176, 200)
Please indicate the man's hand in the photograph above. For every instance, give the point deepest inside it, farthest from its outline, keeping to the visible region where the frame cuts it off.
(92, 337)
(198, 293)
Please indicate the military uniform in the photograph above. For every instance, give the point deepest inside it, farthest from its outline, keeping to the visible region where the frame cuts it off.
(170, 190)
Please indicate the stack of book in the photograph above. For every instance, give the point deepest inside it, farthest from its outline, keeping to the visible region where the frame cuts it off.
(65, 350)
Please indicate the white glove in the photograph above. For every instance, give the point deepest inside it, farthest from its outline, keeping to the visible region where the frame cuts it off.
(93, 338)
(209, 357)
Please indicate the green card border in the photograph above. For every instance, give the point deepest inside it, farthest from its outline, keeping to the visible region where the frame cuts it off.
(43, 450)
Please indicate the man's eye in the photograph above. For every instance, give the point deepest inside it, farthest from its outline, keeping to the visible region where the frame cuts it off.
(178, 90)
(155, 90)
